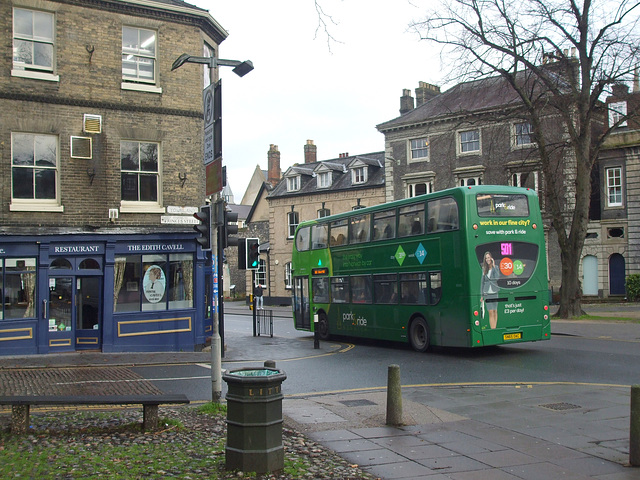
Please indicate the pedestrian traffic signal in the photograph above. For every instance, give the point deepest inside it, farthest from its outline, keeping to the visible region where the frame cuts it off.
(204, 227)
(229, 227)
(253, 253)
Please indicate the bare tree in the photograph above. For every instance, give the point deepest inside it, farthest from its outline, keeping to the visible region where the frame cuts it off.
(561, 57)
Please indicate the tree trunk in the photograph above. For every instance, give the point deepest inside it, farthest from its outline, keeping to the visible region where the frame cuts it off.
(571, 289)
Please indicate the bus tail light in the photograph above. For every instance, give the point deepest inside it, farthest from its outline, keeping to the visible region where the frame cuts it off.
(534, 226)
(475, 314)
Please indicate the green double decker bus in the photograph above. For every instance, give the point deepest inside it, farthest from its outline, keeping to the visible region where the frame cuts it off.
(463, 267)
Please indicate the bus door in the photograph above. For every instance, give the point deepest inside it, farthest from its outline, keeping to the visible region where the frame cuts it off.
(301, 303)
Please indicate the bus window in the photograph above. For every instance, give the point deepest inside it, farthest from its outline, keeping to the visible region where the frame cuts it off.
(435, 287)
(338, 233)
(443, 215)
(340, 289)
(320, 290)
(413, 288)
(302, 239)
(384, 225)
(502, 205)
(319, 235)
(411, 220)
(361, 289)
(385, 288)
(360, 229)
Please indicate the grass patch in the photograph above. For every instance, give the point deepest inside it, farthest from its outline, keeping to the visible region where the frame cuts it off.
(212, 408)
(600, 318)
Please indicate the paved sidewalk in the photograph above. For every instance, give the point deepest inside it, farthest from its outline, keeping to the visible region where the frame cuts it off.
(530, 431)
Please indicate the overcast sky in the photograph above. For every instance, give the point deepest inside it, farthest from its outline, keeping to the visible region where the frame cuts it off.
(304, 89)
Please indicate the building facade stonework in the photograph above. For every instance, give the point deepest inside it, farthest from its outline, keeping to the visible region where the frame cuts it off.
(101, 164)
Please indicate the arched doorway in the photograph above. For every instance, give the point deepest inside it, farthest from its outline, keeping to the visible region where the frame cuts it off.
(616, 274)
(590, 275)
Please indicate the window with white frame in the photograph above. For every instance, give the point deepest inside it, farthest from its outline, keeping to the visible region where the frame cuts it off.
(469, 141)
(523, 134)
(293, 183)
(261, 273)
(292, 222)
(420, 149)
(617, 110)
(33, 40)
(419, 188)
(138, 55)
(288, 278)
(614, 186)
(34, 171)
(525, 180)
(358, 175)
(208, 52)
(139, 171)
(324, 179)
(324, 212)
(470, 181)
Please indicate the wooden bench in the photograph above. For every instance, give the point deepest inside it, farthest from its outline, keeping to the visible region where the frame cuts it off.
(20, 406)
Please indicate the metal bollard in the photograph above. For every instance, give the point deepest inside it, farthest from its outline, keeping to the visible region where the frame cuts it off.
(394, 396)
(634, 427)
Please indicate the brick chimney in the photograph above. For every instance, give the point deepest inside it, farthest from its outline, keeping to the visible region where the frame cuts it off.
(425, 92)
(406, 101)
(273, 157)
(310, 152)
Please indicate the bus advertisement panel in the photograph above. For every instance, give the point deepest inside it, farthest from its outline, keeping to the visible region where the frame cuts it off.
(460, 267)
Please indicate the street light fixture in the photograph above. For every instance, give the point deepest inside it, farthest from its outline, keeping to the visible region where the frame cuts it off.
(241, 68)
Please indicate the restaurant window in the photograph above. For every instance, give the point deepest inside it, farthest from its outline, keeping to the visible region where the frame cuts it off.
(153, 282)
(18, 288)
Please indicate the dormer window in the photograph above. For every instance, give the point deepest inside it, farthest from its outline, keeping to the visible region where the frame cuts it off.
(324, 179)
(293, 183)
(358, 175)
(617, 111)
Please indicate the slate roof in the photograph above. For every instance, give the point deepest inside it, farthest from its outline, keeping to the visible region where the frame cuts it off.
(485, 95)
(180, 3)
(341, 176)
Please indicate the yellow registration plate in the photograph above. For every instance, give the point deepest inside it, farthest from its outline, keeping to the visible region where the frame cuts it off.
(512, 336)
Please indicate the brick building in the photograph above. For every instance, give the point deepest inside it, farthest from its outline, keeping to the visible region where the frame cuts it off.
(309, 190)
(476, 133)
(100, 154)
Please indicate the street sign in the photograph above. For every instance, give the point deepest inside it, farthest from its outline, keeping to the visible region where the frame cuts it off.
(208, 104)
(214, 176)
(209, 144)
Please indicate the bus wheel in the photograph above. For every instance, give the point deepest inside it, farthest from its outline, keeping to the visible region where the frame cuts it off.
(323, 326)
(419, 335)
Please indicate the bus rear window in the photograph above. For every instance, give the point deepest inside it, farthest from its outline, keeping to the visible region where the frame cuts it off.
(502, 205)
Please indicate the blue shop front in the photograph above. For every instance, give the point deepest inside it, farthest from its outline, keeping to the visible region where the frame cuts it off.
(104, 292)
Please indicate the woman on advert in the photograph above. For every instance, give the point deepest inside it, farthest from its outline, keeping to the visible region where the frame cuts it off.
(489, 288)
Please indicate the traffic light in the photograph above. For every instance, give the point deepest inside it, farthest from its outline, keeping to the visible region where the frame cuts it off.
(253, 253)
(229, 227)
(204, 227)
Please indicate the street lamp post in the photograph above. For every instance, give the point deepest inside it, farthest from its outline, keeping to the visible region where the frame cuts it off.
(240, 69)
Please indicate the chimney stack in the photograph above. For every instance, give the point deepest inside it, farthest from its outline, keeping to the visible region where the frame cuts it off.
(310, 152)
(273, 157)
(425, 92)
(406, 101)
